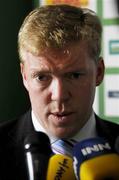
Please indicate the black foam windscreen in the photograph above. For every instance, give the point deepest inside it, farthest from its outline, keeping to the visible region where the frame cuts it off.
(118, 6)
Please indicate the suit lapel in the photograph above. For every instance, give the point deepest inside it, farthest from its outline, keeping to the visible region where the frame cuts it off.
(25, 126)
(107, 130)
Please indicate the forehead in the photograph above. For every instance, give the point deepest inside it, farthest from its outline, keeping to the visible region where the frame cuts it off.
(66, 58)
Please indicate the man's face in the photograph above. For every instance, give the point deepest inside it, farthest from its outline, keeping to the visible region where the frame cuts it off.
(61, 86)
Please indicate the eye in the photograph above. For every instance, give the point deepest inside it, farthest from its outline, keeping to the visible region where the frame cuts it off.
(43, 77)
(74, 75)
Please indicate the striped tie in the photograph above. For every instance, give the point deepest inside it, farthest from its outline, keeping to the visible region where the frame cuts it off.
(62, 146)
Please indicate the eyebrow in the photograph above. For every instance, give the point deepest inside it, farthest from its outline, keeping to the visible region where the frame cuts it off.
(34, 71)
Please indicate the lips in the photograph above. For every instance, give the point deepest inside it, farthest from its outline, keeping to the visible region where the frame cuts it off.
(61, 114)
(61, 117)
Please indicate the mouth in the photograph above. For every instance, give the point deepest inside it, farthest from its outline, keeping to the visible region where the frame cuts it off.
(61, 113)
(61, 118)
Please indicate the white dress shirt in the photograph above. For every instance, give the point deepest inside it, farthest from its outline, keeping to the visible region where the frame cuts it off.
(88, 130)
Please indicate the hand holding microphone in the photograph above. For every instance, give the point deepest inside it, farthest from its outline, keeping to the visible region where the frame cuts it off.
(95, 160)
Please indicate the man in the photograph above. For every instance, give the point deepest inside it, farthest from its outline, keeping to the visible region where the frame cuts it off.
(59, 48)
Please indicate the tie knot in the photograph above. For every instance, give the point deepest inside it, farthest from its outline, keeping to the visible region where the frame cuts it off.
(62, 146)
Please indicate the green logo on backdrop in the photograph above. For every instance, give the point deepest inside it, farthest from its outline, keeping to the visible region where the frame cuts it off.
(114, 46)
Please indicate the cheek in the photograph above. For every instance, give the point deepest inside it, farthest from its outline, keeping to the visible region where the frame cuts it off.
(38, 98)
(85, 91)
(90, 92)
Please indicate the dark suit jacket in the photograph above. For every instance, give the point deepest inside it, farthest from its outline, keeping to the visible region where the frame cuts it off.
(12, 134)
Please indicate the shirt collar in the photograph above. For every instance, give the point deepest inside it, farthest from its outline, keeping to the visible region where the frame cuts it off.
(88, 130)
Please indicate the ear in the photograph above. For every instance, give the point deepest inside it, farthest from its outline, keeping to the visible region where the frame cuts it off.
(23, 73)
(100, 71)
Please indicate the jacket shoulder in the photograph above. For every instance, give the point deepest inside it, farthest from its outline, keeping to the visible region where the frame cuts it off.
(5, 126)
(107, 129)
(107, 125)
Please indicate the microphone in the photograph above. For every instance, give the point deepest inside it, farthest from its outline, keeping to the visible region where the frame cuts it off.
(94, 159)
(117, 144)
(37, 152)
(118, 5)
(60, 167)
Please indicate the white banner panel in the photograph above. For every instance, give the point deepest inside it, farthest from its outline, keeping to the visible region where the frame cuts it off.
(111, 94)
(110, 9)
(111, 45)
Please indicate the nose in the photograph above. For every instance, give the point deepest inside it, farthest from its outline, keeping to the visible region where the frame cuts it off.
(59, 90)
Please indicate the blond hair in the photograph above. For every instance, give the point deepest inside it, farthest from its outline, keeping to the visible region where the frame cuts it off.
(54, 26)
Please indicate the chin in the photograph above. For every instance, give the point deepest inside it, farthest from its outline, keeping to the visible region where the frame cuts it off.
(62, 134)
